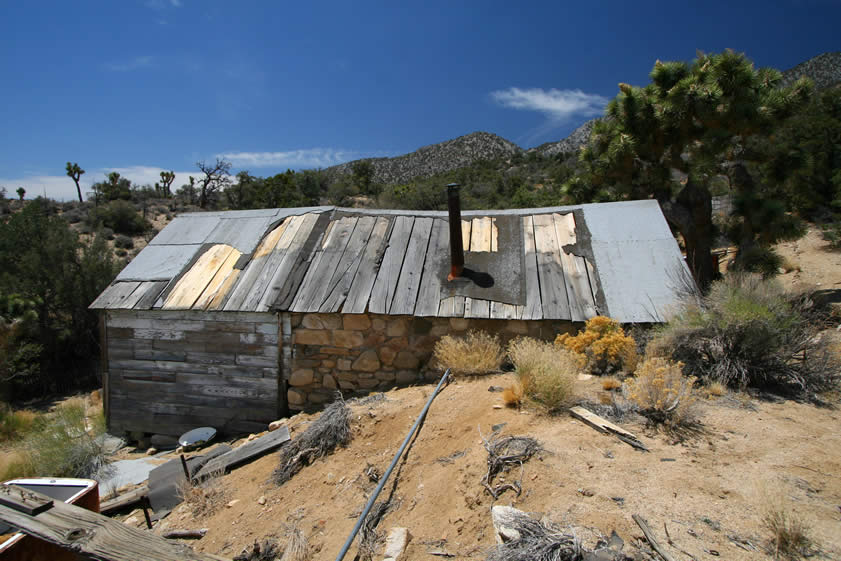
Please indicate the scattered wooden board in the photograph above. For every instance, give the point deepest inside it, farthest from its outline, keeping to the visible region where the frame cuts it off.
(95, 536)
(245, 453)
(605, 426)
(649, 535)
(123, 501)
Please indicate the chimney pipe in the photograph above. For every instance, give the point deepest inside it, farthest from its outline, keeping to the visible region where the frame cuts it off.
(456, 243)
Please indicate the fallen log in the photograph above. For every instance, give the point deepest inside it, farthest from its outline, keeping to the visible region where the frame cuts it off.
(185, 534)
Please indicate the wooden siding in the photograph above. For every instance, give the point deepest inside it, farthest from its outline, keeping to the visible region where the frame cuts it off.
(170, 371)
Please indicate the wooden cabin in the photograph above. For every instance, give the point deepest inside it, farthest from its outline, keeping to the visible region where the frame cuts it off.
(231, 319)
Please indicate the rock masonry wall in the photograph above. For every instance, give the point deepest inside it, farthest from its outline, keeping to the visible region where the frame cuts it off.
(358, 354)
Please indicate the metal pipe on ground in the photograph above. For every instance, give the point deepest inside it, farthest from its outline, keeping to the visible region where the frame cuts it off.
(394, 461)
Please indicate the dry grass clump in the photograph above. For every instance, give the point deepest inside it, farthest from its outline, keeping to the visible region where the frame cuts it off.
(662, 393)
(546, 373)
(329, 431)
(512, 396)
(476, 353)
(715, 389)
(611, 384)
(14, 425)
(604, 343)
(790, 535)
(203, 499)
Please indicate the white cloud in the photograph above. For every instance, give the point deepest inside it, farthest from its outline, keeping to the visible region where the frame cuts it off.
(295, 159)
(556, 104)
(135, 63)
(62, 188)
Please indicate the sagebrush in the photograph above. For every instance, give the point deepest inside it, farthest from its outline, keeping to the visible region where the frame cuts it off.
(748, 331)
(547, 373)
(604, 343)
(661, 391)
(476, 353)
(790, 536)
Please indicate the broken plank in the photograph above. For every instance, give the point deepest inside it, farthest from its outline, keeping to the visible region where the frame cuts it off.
(605, 426)
(581, 303)
(282, 284)
(389, 272)
(123, 501)
(218, 281)
(98, 537)
(245, 453)
(360, 289)
(151, 291)
(260, 285)
(649, 535)
(553, 294)
(476, 308)
(429, 295)
(406, 291)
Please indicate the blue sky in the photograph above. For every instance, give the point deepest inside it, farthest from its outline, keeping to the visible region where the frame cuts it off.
(138, 86)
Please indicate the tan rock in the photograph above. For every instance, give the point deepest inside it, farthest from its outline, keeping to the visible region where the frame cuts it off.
(232, 503)
(357, 322)
(312, 321)
(387, 355)
(406, 359)
(274, 425)
(395, 544)
(517, 326)
(378, 324)
(296, 397)
(344, 364)
(331, 321)
(318, 397)
(367, 362)
(397, 328)
(312, 337)
(301, 377)
(459, 324)
(329, 382)
(261, 500)
(347, 339)
(151, 451)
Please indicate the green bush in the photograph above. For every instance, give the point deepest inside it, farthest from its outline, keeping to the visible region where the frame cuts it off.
(124, 242)
(749, 332)
(120, 216)
(832, 233)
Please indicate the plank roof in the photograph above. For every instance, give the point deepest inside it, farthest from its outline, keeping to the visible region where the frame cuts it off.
(562, 263)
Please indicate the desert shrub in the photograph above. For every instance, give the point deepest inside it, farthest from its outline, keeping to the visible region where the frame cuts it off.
(611, 383)
(661, 391)
(73, 216)
(758, 259)
(107, 233)
(716, 389)
(203, 499)
(832, 233)
(66, 444)
(475, 353)
(750, 332)
(546, 372)
(604, 343)
(512, 396)
(120, 216)
(14, 425)
(789, 533)
(124, 242)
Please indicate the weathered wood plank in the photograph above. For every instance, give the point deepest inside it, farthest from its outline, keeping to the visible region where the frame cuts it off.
(151, 291)
(605, 426)
(285, 280)
(429, 295)
(582, 306)
(114, 295)
(501, 310)
(480, 236)
(446, 307)
(132, 299)
(475, 308)
(406, 292)
(221, 294)
(360, 288)
(349, 265)
(219, 280)
(458, 306)
(494, 235)
(96, 536)
(190, 286)
(466, 227)
(316, 283)
(533, 308)
(389, 272)
(244, 453)
(252, 271)
(553, 292)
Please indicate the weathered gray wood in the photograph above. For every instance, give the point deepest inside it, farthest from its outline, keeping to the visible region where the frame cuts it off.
(649, 535)
(476, 308)
(290, 273)
(582, 305)
(98, 537)
(501, 310)
(245, 280)
(114, 295)
(406, 292)
(316, 283)
(23, 500)
(360, 289)
(348, 265)
(605, 426)
(244, 453)
(148, 293)
(533, 308)
(429, 295)
(446, 307)
(389, 272)
(123, 501)
(553, 292)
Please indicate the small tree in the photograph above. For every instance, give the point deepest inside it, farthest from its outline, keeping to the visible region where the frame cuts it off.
(74, 172)
(21, 193)
(217, 177)
(163, 188)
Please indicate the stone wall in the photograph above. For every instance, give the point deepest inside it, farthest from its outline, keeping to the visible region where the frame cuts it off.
(362, 353)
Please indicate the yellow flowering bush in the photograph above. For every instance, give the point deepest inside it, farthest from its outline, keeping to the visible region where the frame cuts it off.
(604, 344)
(662, 392)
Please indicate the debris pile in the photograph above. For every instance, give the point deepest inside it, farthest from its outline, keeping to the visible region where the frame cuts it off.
(503, 454)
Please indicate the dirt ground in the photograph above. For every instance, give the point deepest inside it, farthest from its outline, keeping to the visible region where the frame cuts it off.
(709, 490)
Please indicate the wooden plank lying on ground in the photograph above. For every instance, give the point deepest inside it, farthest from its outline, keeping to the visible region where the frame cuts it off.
(123, 501)
(95, 536)
(247, 452)
(605, 426)
(649, 535)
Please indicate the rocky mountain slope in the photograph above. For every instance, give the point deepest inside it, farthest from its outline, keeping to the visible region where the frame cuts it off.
(437, 158)
(570, 144)
(824, 70)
